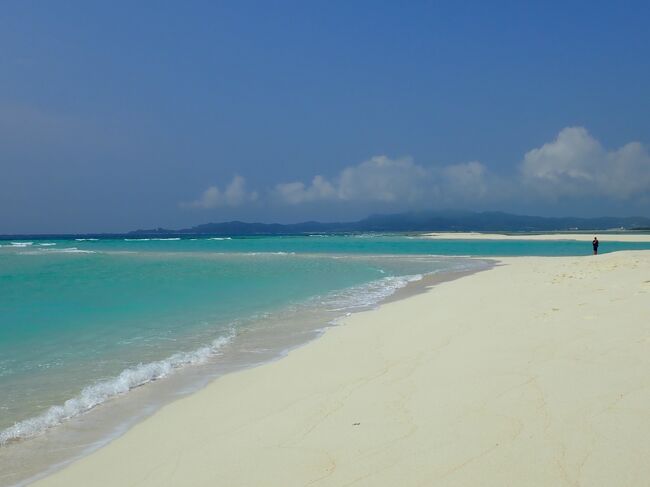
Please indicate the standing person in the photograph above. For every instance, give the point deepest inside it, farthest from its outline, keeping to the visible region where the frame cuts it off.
(595, 245)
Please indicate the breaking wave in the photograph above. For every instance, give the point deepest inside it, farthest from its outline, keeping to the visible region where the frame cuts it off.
(168, 239)
(367, 295)
(101, 392)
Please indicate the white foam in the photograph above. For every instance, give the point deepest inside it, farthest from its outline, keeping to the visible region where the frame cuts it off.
(219, 238)
(48, 244)
(264, 253)
(173, 239)
(86, 239)
(101, 392)
(21, 244)
(71, 250)
(66, 250)
(367, 295)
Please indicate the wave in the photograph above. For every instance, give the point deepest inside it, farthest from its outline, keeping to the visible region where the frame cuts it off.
(72, 250)
(339, 303)
(259, 253)
(219, 238)
(367, 295)
(101, 392)
(86, 239)
(335, 304)
(150, 239)
(47, 244)
(22, 244)
(67, 250)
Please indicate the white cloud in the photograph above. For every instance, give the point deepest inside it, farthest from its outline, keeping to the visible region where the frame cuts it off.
(379, 179)
(466, 180)
(297, 192)
(383, 179)
(576, 165)
(401, 182)
(573, 167)
(235, 194)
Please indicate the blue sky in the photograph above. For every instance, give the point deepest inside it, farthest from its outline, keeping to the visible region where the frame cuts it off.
(119, 115)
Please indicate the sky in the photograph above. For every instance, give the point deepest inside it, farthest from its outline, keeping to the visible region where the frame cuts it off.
(123, 115)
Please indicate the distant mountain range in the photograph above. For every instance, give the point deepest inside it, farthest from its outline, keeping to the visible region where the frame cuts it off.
(416, 222)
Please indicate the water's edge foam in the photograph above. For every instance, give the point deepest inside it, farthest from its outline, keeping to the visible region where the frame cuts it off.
(346, 300)
(100, 392)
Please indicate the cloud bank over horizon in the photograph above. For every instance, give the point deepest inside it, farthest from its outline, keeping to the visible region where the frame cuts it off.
(234, 194)
(574, 167)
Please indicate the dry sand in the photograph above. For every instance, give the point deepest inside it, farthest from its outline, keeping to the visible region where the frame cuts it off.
(536, 372)
(583, 237)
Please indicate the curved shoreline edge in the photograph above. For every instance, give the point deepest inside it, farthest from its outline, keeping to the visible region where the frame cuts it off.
(531, 373)
(31, 466)
(581, 237)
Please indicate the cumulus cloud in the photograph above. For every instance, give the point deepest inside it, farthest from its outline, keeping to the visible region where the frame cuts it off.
(576, 165)
(235, 194)
(400, 181)
(379, 179)
(467, 180)
(383, 179)
(298, 192)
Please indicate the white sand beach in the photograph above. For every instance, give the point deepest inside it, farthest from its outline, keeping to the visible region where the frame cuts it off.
(582, 237)
(533, 373)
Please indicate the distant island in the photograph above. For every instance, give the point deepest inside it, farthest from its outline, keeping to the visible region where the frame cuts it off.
(420, 221)
(448, 221)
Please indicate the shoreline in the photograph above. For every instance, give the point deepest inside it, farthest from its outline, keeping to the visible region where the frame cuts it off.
(530, 373)
(580, 237)
(100, 427)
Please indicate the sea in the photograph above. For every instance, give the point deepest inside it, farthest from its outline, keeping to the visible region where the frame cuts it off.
(96, 333)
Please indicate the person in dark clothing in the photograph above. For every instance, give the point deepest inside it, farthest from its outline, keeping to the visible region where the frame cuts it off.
(595, 245)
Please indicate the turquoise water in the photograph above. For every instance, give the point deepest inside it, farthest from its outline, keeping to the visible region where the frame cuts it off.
(353, 244)
(82, 321)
